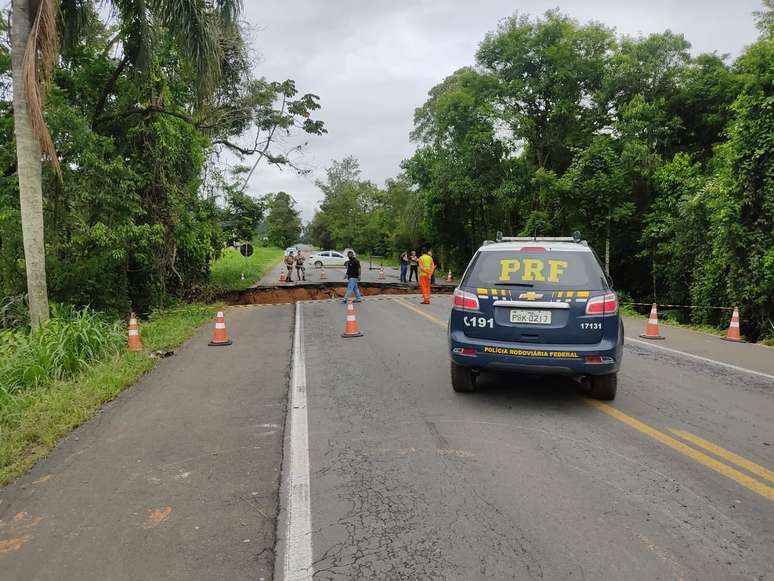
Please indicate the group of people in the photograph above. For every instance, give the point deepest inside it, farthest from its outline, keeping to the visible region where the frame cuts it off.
(409, 264)
(420, 268)
(295, 260)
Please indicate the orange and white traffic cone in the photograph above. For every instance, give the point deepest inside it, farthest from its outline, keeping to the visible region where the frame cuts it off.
(351, 329)
(651, 331)
(219, 336)
(449, 277)
(282, 276)
(134, 343)
(733, 328)
(323, 274)
(242, 276)
(381, 273)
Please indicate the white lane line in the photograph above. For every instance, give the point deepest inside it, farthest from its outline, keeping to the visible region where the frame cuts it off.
(298, 545)
(699, 358)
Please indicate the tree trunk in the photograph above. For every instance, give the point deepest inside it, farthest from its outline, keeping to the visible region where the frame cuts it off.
(29, 171)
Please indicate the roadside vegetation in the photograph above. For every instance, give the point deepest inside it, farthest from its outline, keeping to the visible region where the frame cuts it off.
(227, 270)
(673, 317)
(132, 106)
(138, 205)
(54, 379)
(660, 157)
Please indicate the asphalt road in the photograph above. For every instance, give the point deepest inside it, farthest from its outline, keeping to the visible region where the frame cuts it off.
(527, 478)
(388, 474)
(176, 479)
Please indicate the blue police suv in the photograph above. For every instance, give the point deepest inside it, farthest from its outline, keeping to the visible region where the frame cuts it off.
(540, 306)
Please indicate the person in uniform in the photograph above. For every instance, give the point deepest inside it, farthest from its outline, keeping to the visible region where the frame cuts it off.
(300, 270)
(289, 262)
(426, 269)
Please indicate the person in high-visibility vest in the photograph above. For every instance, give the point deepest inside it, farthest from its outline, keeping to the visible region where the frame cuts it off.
(426, 269)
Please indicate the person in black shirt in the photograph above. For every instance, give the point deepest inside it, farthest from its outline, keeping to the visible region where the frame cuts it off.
(353, 276)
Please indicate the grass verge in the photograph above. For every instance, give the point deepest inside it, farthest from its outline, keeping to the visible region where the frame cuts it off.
(664, 318)
(33, 420)
(226, 270)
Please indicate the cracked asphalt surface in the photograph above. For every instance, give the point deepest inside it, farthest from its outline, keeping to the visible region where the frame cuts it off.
(525, 479)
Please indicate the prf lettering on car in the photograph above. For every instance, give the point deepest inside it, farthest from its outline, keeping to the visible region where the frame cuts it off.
(532, 269)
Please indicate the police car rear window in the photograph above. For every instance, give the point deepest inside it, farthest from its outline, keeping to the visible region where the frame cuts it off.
(554, 270)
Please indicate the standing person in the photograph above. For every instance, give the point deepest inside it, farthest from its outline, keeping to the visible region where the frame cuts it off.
(403, 265)
(353, 276)
(300, 270)
(426, 268)
(289, 261)
(413, 264)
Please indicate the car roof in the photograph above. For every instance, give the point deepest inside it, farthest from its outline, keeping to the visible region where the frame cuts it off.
(547, 244)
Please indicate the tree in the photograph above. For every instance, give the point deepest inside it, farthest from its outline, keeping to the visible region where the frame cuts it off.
(354, 212)
(317, 231)
(548, 76)
(197, 29)
(243, 213)
(595, 197)
(460, 165)
(675, 228)
(33, 54)
(283, 222)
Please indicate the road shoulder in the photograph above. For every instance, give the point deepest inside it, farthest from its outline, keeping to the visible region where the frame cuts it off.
(176, 479)
(750, 356)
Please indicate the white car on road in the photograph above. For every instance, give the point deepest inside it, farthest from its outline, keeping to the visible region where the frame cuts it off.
(327, 258)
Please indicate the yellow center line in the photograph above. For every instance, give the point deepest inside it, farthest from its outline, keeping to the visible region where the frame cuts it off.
(700, 457)
(418, 311)
(726, 455)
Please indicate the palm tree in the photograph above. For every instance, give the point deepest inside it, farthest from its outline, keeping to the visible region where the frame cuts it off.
(33, 53)
(197, 27)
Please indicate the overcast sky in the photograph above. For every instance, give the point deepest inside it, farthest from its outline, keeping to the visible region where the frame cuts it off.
(372, 62)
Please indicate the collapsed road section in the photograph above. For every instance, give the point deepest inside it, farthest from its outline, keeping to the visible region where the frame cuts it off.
(278, 294)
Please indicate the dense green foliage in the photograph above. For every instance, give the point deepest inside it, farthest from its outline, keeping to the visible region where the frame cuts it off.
(141, 210)
(65, 345)
(355, 213)
(662, 159)
(283, 222)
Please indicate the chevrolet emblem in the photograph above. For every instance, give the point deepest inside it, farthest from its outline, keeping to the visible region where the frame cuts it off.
(530, 296)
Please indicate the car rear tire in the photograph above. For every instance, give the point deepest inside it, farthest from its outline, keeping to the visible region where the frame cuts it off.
(604, 386)
(463, 379)
(317, 264)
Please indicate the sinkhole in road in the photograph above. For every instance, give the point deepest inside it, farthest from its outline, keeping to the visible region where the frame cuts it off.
(281, 294)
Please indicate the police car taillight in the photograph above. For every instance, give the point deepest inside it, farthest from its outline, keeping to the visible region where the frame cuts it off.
(603, 305)
(465, 301)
